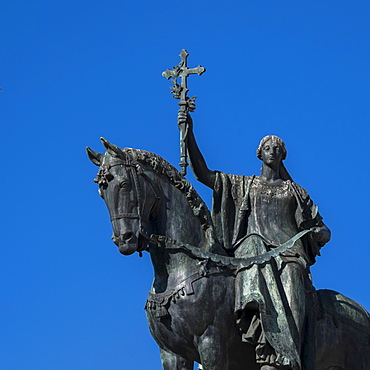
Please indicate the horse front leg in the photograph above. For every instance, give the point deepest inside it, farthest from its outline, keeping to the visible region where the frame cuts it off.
(213, 350)
(171, 361)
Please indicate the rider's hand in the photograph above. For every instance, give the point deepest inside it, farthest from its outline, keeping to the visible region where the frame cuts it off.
(184, 117)
(321, 234)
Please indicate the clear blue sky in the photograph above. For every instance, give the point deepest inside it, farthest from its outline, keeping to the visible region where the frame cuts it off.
(72, 71)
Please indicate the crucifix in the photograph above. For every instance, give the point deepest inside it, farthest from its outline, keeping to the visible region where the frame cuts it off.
(186, 104)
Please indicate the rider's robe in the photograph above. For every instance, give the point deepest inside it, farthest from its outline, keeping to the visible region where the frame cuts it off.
(250, 217)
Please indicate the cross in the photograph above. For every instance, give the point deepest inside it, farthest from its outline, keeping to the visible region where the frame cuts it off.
(182, 71)
(186, 104)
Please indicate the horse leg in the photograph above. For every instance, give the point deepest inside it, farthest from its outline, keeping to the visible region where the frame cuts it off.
(213, 350)
(171, 361)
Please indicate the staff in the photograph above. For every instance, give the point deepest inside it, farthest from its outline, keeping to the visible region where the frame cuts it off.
(186, 104)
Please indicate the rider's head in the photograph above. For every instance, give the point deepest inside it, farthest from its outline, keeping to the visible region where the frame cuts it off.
(275, 140)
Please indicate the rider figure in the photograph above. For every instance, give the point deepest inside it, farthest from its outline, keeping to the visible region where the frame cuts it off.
(252, 214)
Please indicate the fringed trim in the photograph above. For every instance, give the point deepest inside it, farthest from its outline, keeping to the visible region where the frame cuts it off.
(160, 303)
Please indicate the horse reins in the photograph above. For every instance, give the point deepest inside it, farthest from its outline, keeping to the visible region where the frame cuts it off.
(135, 170)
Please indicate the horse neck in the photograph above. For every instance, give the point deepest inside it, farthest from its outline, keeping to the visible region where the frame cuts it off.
(180, 222)
(175, 219)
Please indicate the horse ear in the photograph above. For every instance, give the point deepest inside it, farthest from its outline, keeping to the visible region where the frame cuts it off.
(112, 149)
(95, 157)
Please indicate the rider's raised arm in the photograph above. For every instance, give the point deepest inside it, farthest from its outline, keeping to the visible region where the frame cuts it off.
(197, 163)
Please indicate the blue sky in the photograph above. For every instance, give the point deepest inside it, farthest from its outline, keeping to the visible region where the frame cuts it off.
(72, 71)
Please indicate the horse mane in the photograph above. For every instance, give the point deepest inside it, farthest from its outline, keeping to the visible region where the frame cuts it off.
(162, 167)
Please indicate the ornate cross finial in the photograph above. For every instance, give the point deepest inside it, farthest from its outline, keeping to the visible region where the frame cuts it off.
(182, 71)
(180, 92)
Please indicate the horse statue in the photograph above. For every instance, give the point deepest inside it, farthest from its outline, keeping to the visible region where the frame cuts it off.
(190, 307)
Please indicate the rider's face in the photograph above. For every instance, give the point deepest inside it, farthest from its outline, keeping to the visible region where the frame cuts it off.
(271, 153)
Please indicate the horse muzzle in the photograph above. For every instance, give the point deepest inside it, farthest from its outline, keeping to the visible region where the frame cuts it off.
(127, 243)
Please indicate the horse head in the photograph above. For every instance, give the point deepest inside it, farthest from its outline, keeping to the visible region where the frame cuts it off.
(129, 194)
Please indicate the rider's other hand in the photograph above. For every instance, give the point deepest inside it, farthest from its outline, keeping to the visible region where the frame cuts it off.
(321, 234)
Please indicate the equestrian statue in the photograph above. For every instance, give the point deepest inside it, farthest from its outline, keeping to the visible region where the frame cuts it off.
(232, 289)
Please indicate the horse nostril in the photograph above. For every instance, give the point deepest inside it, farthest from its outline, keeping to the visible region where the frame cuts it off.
(123, 238)
(126, 237)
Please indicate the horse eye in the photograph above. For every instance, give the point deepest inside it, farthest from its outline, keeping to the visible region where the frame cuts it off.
(124, 184)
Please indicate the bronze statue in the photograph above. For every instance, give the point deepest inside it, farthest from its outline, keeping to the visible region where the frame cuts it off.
(233, 290)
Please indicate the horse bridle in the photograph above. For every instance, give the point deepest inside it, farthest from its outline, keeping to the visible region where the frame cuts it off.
(135, 169)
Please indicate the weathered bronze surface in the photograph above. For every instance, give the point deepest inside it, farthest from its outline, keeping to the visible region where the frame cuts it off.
(231, 290)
